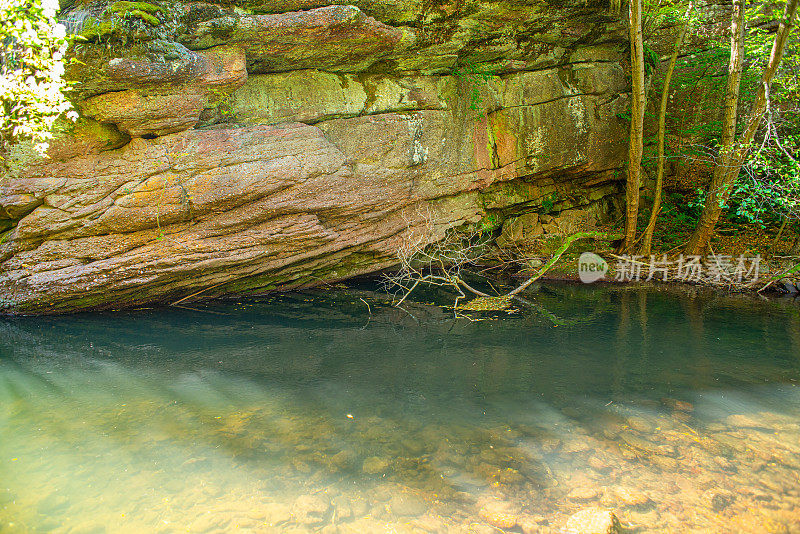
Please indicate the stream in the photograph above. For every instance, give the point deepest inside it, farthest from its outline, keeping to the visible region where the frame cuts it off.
(333, 411)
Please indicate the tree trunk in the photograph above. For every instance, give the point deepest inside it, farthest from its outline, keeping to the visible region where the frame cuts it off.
(637, 124)
(647, 239)
(732, 155)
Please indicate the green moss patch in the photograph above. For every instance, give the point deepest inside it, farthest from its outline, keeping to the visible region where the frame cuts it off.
(107, 24)
(124, 6)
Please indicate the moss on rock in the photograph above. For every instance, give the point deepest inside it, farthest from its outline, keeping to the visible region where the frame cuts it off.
(129, 7)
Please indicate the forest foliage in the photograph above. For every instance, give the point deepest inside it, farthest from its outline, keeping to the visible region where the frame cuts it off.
(33, 45)
(764, 190)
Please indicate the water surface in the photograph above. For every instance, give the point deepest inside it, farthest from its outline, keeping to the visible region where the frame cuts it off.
(333, 411)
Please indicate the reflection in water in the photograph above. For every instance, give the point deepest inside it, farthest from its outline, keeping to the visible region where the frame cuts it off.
(305, 413)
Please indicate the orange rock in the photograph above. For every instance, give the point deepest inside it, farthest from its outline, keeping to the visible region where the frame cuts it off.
(593, 521)
(167, 108)
(499, 514)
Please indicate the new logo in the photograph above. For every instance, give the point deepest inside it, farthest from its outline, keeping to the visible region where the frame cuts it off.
(591, 267)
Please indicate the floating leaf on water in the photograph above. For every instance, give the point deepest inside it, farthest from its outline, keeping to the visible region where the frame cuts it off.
(486, 304)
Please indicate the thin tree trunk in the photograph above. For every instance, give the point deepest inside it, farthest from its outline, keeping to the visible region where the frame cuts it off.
(647, 240)
(635, 147)
(732, 156)
(716, 198)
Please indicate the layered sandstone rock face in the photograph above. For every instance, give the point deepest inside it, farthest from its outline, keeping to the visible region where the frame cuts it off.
(240, 149)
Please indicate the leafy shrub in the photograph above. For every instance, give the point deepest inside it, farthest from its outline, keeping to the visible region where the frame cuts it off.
(32, 48)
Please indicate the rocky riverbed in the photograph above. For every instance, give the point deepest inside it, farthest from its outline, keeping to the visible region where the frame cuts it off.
(234, 422)
(658, 468)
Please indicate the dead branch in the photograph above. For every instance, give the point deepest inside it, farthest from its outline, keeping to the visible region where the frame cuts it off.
(445, 262)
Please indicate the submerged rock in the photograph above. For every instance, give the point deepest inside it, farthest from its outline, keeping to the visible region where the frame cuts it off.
(311, 509)
(583, 494)
(343, 459)
(531, 524)
(499, 514)
(407, 505)
(593, 521)
(276, 513)
(375, 465)
(678, 405)
(746, 421)
(632, 497)
(719, 499)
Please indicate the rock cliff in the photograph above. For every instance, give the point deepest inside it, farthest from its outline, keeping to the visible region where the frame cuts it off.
(229, 149)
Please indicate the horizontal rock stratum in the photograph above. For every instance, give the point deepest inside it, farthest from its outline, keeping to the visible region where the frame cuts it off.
(219, 160)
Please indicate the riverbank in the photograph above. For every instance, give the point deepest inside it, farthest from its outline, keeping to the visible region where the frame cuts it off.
(750, 262)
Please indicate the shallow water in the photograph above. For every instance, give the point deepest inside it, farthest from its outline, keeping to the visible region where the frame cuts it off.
(333, 411)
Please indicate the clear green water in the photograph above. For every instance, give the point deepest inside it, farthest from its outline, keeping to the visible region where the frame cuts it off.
(306, 413)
